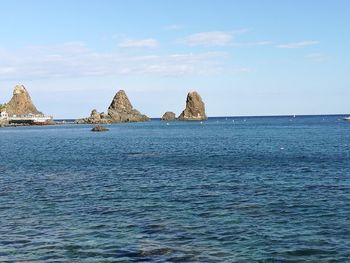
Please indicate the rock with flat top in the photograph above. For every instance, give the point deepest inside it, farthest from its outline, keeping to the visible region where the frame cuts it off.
(169, 116)
(195, 108)
(99, 128)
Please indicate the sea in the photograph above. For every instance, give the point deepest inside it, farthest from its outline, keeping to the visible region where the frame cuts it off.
(235, 189)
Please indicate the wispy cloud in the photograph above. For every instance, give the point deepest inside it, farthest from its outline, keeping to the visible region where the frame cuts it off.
(252, 44)
(77, 60)
(214, 38)
(173, 27)
(317, 56)
(261, 43)
(139, 43)
(300, 44)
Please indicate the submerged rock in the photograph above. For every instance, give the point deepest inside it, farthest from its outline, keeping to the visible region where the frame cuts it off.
(121, 109)
(195, 108)
(21, 103)
(99, 128)
(168, 116)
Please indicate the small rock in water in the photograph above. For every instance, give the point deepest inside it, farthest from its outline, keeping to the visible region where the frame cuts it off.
(99, 128)
(168, 116)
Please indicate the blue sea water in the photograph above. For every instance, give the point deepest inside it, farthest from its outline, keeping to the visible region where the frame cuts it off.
(268, 189)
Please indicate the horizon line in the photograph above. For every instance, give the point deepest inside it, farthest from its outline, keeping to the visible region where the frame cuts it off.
(252, 116)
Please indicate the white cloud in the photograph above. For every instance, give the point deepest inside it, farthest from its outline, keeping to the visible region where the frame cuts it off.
(7, 70)
(252, 44)
(214, 38)
(173, 27)
(300, 44)
(139, 43)
(261, 43)
(77, 60)
(317, 57)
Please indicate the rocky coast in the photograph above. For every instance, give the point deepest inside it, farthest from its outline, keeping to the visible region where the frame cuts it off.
(21, 111)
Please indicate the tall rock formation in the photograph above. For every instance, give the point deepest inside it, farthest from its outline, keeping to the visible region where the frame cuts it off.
(121, 109)
(21, 103)
(195, 108)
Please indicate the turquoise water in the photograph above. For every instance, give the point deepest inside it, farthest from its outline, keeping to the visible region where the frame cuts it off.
(273, 189)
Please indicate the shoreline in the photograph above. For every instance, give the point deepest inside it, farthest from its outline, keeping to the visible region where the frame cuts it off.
(239, 116)
(73, 121)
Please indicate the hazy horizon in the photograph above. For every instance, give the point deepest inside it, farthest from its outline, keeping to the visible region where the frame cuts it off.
(245, 58)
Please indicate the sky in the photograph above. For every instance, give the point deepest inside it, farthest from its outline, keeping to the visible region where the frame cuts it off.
(245, 57)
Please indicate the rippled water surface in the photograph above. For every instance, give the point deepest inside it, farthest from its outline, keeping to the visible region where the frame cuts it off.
(225, 190)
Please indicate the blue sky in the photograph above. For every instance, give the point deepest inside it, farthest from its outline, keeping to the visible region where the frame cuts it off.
(246, 57)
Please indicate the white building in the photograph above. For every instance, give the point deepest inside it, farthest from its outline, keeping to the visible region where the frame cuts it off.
(4, 115)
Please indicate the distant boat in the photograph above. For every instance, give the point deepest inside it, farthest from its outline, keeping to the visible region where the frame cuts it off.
(347, 118)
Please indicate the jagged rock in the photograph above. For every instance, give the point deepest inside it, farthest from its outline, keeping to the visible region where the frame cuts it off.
(195, 108)
(104, 116)
(21, 103)
(169, 116)
(121, 110)
(99, 128)
(95, 117)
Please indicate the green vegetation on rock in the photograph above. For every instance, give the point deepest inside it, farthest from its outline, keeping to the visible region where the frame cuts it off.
(2, 107)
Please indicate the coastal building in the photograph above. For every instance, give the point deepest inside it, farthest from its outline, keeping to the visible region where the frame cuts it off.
(4, 115)
(32, 119)
(20, 110)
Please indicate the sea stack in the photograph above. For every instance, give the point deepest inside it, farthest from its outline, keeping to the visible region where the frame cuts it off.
(121, 109)
(169, 116)
(21, 103)
(195, 108)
